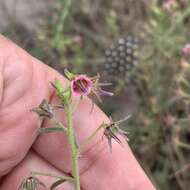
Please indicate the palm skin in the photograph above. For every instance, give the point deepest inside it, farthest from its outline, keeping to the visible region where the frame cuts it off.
(24, 83)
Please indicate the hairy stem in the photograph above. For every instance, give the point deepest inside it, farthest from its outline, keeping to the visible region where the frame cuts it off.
(73, 145)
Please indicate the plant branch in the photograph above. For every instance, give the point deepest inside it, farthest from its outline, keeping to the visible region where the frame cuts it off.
(34, 173)
(72, 143)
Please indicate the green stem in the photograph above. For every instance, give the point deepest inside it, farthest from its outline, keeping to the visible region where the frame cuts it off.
(59, 124)
(182, 145)
(60, 26)
(72, 143)
(177, 21)
(52, 175)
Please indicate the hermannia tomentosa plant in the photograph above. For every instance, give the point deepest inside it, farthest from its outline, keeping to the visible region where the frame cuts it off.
(78, 86)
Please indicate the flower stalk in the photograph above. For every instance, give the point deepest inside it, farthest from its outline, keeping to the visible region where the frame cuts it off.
(65, 97)
(68, 178)
(73, 145)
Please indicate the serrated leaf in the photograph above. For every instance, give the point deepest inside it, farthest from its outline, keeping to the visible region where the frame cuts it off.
(50, 129)
(57, 183)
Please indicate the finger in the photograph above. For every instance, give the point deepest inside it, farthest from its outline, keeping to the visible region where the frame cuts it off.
(33, 163)
(22, 86)
(1, 82)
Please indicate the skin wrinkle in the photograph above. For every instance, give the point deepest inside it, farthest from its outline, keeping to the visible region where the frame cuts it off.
(94, 151)
(7, 156)
(66, 173)
(13, 153)
(33, 162)
(5, 59)
(2, 65)
(15, 156)
(9, 159)
(118, 169)
(24, 91)
(23, 101)
(93, 154)
(109, 172)
(51, 165)
(8, 117)
(1, 88)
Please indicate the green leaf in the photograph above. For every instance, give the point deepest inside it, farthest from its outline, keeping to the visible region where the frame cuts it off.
(57, 183)
(50, 129)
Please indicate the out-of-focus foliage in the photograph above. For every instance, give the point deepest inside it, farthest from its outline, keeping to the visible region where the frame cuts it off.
(160, 128)
(76, 34)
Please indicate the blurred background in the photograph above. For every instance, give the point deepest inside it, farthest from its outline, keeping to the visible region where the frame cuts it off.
(142, 47)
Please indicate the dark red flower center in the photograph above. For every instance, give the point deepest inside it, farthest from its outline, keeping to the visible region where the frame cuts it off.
(81, 86)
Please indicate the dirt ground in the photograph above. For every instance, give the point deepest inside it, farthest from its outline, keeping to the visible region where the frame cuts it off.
(23, 12)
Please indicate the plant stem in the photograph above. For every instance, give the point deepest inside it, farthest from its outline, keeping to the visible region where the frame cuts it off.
(176, 23)
(73, 145)
(58, 124)
(60, 26)
(182, 145)
(52, 175)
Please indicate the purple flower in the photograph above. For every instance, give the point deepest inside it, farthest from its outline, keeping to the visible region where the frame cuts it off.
(81, 85)
(169, 4)
(186, 49)
(97, 90)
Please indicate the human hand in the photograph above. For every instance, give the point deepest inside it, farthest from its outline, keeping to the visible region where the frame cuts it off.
(24, 82)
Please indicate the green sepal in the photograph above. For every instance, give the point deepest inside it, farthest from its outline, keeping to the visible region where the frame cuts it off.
(69, 75)
(50, 130)
(57, 183)
(44, 109)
